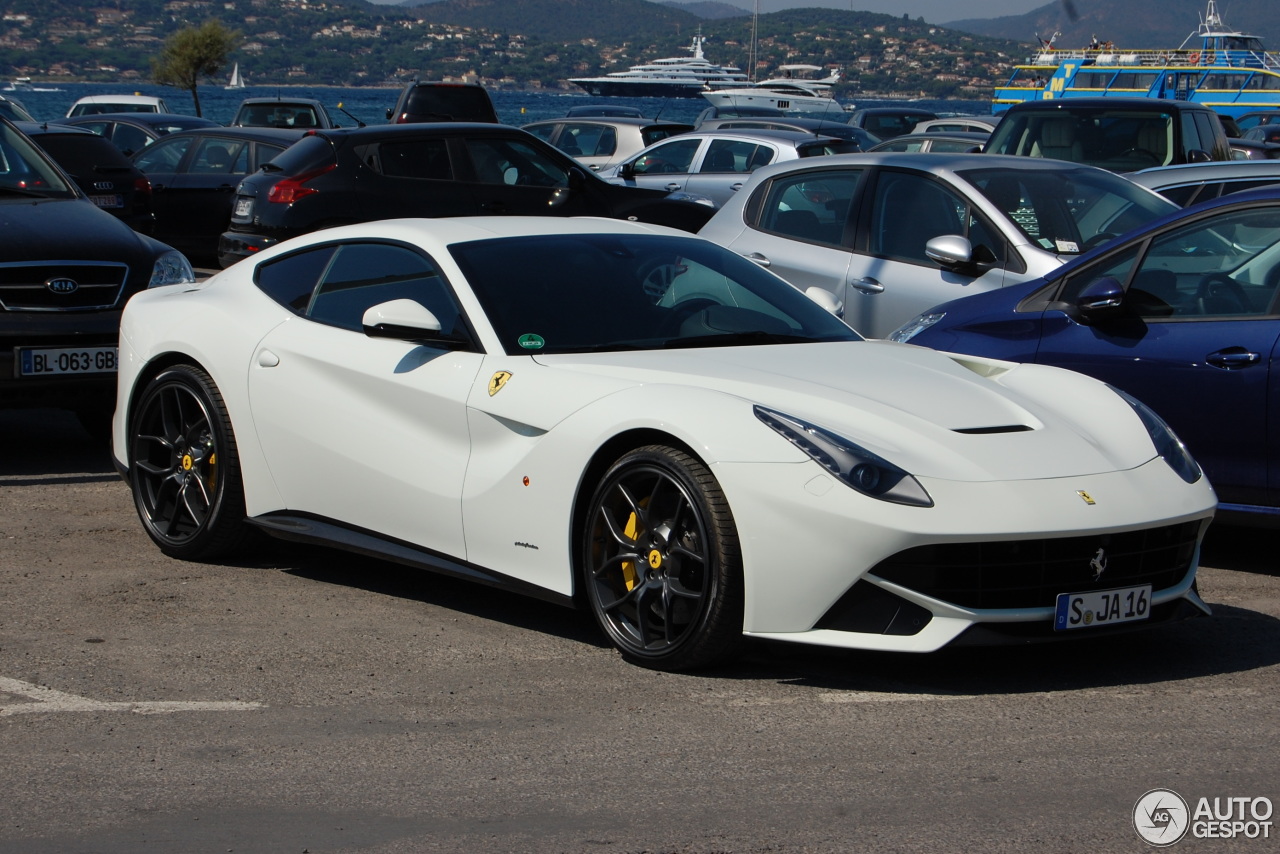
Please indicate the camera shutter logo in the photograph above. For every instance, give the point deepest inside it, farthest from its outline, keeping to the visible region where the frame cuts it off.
(1161, 817)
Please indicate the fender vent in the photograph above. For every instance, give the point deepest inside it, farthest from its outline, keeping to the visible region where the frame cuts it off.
(1007, 428)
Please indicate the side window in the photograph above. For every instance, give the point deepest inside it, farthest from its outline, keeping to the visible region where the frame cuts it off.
(1208, 134)
(908, 211)
(416, 158)
(264, 152)
(1190, 134)
(514, 163)
(291, 280)
(129, 139)
(362, 275)
(221, 157)
(542, 132)
(727, 155)
(164, 156)
(810, 206)
(578, 139)
(672, 157)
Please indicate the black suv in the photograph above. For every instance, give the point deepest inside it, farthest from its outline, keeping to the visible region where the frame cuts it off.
(66, 270)
(425, 101)
(334, 177)
(1119, 134)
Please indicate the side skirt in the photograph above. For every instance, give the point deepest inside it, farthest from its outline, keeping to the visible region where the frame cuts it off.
(309, 529)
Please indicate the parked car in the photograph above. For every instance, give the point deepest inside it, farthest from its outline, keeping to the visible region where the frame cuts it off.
(13, 110)
(803, 124)
(99, 169)
(1181, 314)
(958, 124)
(570, 408)
(887, 122)
(1257, 117)
(66, 270)
(93, 104)
(1268, 133)
(603, 142)
(132, 132)
(940, 141)
(1119, 134)
(336, 177)
(603, 111)
(890, 233)
(1189, 183)
(193, 176)
(432, 101)
(278, 112)
(716, 164)
(1249, 149)
(728, 111)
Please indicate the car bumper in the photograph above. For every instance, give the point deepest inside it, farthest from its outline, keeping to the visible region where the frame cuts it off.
(235, 246)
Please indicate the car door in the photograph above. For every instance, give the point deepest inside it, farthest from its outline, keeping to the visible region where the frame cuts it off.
(890, 278)
(1197, 343)
(799, 227)
(511, 176)
(372, 431)
(200, 195)
(163, 163)
(726, 165)
(405, 177)
(665, 166)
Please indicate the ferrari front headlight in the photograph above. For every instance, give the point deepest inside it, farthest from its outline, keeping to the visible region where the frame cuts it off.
(171, 268)
(860, 469)
(1168, 445)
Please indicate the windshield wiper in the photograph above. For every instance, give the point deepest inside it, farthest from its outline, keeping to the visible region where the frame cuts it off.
(737, 339)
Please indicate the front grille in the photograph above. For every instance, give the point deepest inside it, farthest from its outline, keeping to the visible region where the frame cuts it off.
(1031, 573)
(23, 286)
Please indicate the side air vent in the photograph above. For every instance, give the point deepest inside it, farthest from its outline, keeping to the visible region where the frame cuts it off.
(1007, 428)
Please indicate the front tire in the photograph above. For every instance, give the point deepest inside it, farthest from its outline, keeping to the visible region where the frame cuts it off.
(185, 469)
(661, 561)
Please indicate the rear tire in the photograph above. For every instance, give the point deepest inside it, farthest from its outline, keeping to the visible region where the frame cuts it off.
(661, 563)
(184, 468)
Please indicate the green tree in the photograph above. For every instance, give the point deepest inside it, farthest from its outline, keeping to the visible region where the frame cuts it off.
(193, 53)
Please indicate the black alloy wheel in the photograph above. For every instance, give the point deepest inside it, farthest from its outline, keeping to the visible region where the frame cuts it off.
(185, 470)
(661, 561)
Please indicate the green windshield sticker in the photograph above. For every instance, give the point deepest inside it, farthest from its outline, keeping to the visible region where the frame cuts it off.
(529, 341)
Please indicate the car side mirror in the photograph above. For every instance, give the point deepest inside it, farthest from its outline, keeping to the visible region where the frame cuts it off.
(1197, 155)
(407, 320)
(949, 250)
(390, 112)
(627, 170)
(826, 299)
(1099, 299)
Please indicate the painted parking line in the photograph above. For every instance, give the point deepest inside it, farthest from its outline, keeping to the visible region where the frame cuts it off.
(47, 700)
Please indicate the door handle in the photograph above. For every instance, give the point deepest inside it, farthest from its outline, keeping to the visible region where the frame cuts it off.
(672, 187)
(1232, 358)
(736, 187)
(757, 258)
(867, 285)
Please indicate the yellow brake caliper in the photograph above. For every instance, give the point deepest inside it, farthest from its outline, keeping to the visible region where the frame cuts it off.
(629, 566)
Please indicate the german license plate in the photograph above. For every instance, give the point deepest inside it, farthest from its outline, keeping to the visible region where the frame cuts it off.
(67, 360)
(1102, 607)
(243, 206)
(116, 201)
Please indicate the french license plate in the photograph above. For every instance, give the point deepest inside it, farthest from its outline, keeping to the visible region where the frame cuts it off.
(116, 201)
(1102, 607)
(67, 360)
(243, 207)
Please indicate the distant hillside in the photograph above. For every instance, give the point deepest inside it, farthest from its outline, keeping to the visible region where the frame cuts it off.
(708, 10)
(567, 20)
(1149, 24)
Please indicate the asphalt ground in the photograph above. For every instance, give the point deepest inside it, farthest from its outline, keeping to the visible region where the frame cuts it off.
(305, 700)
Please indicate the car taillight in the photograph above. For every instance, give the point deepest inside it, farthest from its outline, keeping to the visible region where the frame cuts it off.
(142, 187)
(289, 190)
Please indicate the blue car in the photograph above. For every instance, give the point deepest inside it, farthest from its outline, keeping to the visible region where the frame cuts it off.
(1181, 313)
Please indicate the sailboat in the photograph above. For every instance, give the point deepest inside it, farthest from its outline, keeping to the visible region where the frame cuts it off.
(237, 82)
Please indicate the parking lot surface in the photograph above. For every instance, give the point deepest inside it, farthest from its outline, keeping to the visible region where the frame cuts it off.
(304, 700)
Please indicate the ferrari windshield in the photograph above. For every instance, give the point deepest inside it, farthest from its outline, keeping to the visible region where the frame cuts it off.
(1068, 211)
(567, 293)
(25, 171)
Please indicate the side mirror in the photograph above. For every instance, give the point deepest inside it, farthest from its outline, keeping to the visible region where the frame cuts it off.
(949, 250)
(826, 299)
(1098, 299)
(627, 170)
(407, 320)
(1197, 155)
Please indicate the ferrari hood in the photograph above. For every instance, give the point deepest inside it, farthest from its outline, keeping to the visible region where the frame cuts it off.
(935, 414)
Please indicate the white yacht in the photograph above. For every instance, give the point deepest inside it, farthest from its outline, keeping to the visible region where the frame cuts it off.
(794, 89)
(677, 76)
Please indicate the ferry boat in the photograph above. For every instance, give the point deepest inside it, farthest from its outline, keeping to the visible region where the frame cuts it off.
(677, 76)
(795, 89)
(1226, 70)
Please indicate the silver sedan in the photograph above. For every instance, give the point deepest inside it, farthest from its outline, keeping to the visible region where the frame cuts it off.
(891, 234)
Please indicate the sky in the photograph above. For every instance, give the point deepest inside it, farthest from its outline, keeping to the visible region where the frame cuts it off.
(933, 11)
